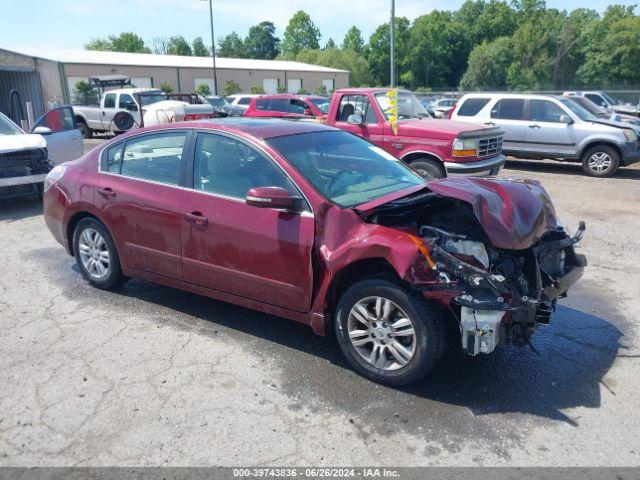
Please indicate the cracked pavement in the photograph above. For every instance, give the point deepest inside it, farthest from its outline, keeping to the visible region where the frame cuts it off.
(147, 375)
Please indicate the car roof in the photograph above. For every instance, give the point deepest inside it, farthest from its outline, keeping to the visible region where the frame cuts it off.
(291, 95)
(261, 128)
(369, 89)
(510, 95)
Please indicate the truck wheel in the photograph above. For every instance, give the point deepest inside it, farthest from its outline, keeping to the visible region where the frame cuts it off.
(428, 168)
(388, 333)
(96, 254)
(600, 161)
(84, 129)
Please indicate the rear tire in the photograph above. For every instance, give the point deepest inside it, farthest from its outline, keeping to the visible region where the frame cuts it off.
(96, 254)
(394, 348)
(84, 129)
(428, 168)
(601, 161)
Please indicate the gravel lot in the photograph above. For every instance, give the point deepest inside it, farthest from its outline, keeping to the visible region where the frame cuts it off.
(148, 375)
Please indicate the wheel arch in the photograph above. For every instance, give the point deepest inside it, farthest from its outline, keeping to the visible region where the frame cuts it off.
(73, 223)
(600, 143)
(418, 154)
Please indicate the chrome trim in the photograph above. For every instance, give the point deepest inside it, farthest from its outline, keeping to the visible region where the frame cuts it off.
(475, 166)
(422, 151)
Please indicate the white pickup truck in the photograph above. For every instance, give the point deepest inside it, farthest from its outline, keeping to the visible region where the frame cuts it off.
(25, 158)
(126, 108)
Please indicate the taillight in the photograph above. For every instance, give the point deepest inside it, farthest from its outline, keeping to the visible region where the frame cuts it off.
(455, 105)
(54, 176)
(198, 116)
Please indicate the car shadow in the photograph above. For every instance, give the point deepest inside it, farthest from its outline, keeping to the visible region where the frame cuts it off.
(565, 168)
(566, 370)
(20, 208)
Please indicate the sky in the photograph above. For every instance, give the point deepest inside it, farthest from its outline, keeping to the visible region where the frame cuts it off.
(72, 23)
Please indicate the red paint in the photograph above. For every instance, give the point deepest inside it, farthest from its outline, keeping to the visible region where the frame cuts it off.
(269, 259)
(312, 110)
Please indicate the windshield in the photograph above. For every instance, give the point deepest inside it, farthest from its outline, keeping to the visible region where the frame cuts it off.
(322, 104)
(610, 99)
(344, 168)
(7, 127)
(151, 98)
(408, 106)
(581, 112)
(217, 101)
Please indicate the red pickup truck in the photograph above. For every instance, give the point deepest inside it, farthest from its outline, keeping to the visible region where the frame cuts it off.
(435, 148)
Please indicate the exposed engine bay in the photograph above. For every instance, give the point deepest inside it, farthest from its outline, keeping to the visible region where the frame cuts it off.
(497, 295)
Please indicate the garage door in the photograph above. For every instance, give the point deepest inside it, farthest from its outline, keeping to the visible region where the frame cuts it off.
(204, 81)
(270, 85)
(27, 84)
(142, 82)
(294, 85)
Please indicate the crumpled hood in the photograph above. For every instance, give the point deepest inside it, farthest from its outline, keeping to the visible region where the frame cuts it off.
(514, 213)
(15, 143)
(613, 123)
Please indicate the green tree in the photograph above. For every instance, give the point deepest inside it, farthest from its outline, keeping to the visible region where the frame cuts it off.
(301, 34)
(199, 49)
(488, 65)
(178, 45)
(353, 40)
(341, 59)
(203, 89)
(257, 90)
(261, 42)
(84, 94)
(231, 87)
(124, 42)
(330, 44)
(166, 87)
(377, 51)
(231, 46)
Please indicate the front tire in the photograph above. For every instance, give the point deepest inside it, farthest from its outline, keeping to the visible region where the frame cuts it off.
(428, 168)
(388, 333)
(96, 254)
(601, 161)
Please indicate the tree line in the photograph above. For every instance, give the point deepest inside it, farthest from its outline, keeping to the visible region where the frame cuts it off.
(485, 44)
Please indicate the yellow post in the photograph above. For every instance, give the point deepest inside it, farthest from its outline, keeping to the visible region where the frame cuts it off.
(392, 111)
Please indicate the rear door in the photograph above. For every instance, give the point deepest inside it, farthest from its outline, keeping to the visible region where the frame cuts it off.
(64, 141)
(545, 132)
(139, 191)
(261, 254)
(508, 114)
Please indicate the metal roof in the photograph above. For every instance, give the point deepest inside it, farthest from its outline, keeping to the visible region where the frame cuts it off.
(151, 60)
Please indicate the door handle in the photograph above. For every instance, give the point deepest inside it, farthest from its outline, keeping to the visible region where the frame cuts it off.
(197, 219)
(535, 125)
(107, 192)
(491, 124)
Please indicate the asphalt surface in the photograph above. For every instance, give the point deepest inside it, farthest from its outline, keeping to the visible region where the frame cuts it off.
(148, 375)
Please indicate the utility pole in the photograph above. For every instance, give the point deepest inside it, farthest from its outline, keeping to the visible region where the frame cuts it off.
(393, 41)
(213, 50)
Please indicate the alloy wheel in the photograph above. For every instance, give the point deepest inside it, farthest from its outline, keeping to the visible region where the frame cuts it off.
(381, 333)
(94, 253)
(599, 162)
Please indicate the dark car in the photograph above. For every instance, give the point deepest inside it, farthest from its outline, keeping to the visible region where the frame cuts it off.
(317, 225)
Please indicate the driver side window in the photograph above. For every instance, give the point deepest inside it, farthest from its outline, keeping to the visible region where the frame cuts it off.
(227, 167)
(356, 105)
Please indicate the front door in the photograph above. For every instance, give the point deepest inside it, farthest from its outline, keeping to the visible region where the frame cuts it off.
(372, 127)
(139, 192)
(64, 141)
(108, 111)
(546, 132)
(261, 254)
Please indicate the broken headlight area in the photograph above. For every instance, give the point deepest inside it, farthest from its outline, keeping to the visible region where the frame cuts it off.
(503, 295)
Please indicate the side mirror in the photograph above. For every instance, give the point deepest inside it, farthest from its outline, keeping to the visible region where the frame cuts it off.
(269, 197)
(42, 130)
(355, 119)
(566, 119)
(308, 112)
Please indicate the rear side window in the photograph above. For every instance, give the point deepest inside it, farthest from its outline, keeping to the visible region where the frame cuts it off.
(262, 104)
(244, 101)
(509, 109)
(472, 106)
(153, 157)
(597, 99)
(279, 104)
(112, 159)
(110, 100)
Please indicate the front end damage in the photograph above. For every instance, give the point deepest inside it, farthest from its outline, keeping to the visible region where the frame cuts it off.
(499, 289)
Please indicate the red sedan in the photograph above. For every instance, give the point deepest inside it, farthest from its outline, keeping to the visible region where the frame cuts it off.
(322, 227)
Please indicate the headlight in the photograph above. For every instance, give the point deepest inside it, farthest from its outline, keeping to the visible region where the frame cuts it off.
(630, 135)
(53, 176)
(464, 148)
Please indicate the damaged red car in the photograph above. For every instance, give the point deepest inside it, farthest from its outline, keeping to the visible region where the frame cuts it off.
(322, 227)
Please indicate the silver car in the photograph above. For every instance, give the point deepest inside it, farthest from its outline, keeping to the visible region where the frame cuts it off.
(553, 127)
